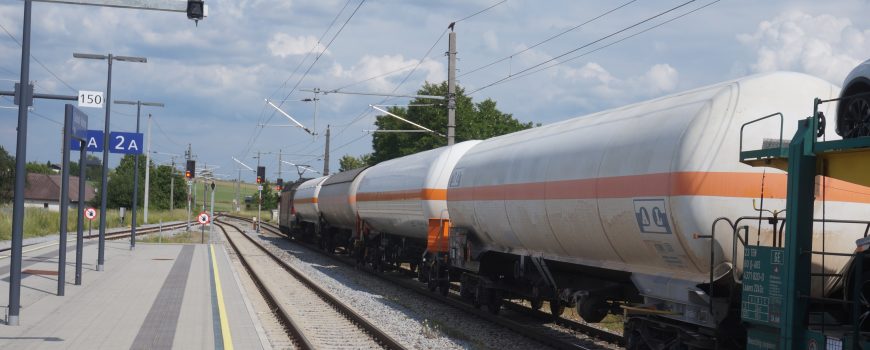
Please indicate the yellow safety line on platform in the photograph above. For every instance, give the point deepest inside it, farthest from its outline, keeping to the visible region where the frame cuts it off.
(222, 309)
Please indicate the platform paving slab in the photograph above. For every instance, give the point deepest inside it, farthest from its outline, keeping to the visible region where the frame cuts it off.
(169, 283)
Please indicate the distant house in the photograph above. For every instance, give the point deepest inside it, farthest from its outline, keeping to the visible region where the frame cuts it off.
(43, 191)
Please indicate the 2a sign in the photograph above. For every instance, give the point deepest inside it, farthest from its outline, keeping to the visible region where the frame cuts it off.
(125, 142)
(119, 142)
(91, 99)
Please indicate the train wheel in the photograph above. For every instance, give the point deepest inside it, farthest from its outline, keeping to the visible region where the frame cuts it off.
(433, 278)
(537, 303)
(593, 309)
(634, 336)
(479, 296)
(556, 307)
(465, 292)
(493, 303)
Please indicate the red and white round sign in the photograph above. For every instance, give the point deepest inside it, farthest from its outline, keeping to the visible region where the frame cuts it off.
(90, 213)
(203, 218)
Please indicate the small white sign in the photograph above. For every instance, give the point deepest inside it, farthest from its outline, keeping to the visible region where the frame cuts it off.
(91, 99)
(90, 213)
(203, 218)
(260, 188)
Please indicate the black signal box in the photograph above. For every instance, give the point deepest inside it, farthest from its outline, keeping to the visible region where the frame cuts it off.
(261, 174)
(190, 171)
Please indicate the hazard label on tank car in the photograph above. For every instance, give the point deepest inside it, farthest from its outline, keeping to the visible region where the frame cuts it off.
(652, 216)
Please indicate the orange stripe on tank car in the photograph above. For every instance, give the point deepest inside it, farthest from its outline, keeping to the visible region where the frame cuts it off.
(718, 184)
(305, 200)
(421, 194)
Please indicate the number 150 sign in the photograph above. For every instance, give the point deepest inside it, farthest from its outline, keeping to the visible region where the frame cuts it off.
(92, 99)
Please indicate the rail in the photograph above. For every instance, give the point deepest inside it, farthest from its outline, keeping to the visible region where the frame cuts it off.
(111, 236)
(512, 325)
(376, 333)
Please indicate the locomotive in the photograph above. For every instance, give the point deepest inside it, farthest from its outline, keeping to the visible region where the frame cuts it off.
(610, 213)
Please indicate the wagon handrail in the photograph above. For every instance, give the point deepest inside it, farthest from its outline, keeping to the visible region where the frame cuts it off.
(781, 124)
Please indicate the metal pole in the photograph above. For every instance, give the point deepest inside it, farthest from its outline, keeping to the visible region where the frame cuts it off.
(171, 186)
(64, 200)
(202, 226)
(135, 183)
(279, 163)
(189, 190)
(451, 90)
(238, 191)
(314, 126)
(211, 214)
(80, 239)
(147, 169)
(101, 249)
(260, 192)
(20, 174)
(326, 154)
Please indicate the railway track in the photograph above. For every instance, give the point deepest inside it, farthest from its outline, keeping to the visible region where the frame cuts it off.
(109, 236)
(313, 317)
(531, 326)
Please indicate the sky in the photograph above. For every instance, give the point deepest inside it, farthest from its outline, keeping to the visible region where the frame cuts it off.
(215, 76)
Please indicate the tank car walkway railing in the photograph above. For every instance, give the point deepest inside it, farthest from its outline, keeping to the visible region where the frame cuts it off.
(765, 156)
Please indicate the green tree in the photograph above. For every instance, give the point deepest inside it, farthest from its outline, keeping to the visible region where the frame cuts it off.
(474, 121)
(93, 171)
(39, 168)
(270, 197)
(7, 175)
(349, 162)
(120, 186)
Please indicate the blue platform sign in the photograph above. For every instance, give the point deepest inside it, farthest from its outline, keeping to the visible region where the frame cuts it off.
(79, 124)
(125, 142)
(93, 140)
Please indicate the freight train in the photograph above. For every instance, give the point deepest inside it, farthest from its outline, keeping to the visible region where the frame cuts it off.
(613, 212)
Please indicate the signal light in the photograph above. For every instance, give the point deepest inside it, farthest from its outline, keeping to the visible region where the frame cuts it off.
(261, 174)
(196, 9)
(191, 169)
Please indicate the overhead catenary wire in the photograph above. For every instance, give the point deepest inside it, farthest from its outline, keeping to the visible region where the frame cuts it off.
(490, 64)
(366, 111)
(256, 131)
(519, 76)
(588, 44)
(317, 58)
(160, 128)
(38, 61)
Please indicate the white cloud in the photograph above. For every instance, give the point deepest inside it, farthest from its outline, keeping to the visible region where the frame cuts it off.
(824, 45)
(283, 45)
(659, 79)
(490, 40)
(371, 66)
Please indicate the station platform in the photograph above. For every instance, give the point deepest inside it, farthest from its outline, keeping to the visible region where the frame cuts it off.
(158, 296)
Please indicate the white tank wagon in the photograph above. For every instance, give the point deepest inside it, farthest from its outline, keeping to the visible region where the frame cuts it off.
(405, 201)
(623, 195)
(306, 198)
(337, 204)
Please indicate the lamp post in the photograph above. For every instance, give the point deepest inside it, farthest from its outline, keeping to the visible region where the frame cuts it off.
(139, 105)
(101, 252)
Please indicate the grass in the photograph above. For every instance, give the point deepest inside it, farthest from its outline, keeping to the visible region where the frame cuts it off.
(40, 222)
(224, 193)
